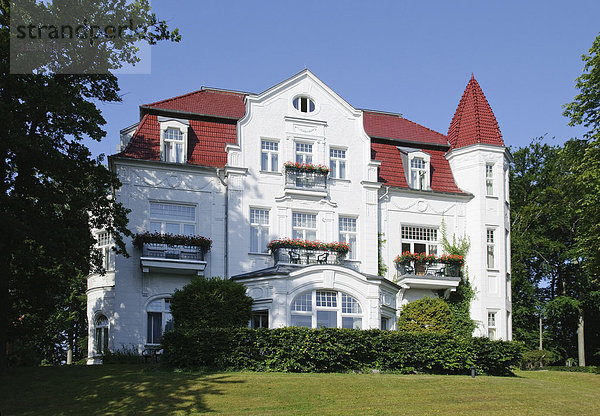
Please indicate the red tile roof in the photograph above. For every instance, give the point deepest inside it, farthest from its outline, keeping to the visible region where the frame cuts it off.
(474, 121)
(217, 103)
(208, 137)
(206, 141)
(391, 171)
(393, 126)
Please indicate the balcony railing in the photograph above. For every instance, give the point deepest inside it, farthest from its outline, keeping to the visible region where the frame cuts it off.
(306, 256)
(429, 269)
(176, 259)
(165, 251)
(316, 181)
(432, 276)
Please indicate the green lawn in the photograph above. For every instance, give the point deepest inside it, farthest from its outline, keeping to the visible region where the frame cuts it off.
(135, 390)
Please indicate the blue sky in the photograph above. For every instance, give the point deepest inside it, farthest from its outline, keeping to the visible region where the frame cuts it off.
(411, 57)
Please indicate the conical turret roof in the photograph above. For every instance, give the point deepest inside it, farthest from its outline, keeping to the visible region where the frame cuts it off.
(474, 121)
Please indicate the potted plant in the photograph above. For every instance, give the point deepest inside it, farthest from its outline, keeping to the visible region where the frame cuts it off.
(305, 167)
(453, 262)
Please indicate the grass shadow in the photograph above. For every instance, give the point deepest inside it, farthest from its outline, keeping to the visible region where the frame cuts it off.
(107, 390)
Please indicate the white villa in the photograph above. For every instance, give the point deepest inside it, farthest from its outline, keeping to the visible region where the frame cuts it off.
(211, 163)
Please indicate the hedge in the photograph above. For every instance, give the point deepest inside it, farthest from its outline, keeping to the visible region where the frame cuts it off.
(337, 350)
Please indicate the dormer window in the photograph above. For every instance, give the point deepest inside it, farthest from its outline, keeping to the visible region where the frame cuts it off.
(173, 140)
(418, 170)
(304, 104)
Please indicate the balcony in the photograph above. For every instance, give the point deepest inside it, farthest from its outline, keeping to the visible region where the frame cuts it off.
(306, 181)
(173, 259)
(307, 256)
(433, 276)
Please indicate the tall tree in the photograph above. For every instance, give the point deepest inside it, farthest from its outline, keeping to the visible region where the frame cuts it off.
(585, 110)
(52, 190)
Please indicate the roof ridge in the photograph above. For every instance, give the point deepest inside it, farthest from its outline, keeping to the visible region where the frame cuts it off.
(173, 98)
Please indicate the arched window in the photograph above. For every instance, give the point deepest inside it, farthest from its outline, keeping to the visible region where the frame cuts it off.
(159, 319)
(101, 325)
(326, 309)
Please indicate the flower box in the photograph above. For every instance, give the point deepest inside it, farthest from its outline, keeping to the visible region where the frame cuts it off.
(305, 167)
(200, 242)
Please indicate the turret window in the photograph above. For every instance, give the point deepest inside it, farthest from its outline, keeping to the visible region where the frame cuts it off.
(489, 179)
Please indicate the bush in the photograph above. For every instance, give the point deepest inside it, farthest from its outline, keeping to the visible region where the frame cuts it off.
(123, 356)
(211, 303)
(426, 315)
(336, 350)
(537, 358)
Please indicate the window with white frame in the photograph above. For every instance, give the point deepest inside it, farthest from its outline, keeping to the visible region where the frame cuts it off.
(269, 158)
(304, 152)
(259, 230)
(491, 248)
(347, 226)
(489, 179)
(326, 309)
(159, 319)
(304, 104)
(418, 173)
(417, 239)
(304, 226)
(337, 163)
(491, 316)
(105, 247)
(259, 319)
(173, 145)
(101, 332)
(167, 218)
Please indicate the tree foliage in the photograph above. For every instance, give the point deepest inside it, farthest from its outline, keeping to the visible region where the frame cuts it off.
(211, 303)
(52, 192)
(550, 274)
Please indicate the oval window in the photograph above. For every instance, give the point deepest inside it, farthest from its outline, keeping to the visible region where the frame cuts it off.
(304, 104)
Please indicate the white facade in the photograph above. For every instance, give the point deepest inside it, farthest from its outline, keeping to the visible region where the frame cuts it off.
(247, 202)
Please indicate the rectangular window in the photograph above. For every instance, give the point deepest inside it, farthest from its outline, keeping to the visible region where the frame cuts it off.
(269, 161)
(492, 325)
(337, 163)
(489, 179)
(347, 228)
(154, 327)
(326, 319)
(302, 320)
(418, 170)
(304, 226)
(260, 319)
(172, 218)
(104, 244)
(384, 323)
(419, 240)
(173, 146)
(303, 153)
(326, 299)
(259, 230)
(490, 249)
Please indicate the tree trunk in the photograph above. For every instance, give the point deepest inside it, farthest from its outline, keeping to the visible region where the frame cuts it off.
(580, 341)
(541, 334)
